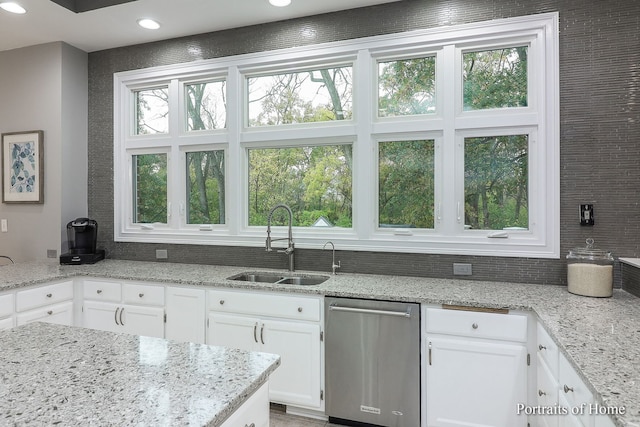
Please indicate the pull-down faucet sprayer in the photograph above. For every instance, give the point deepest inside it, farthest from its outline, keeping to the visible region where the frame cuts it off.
(290, 246)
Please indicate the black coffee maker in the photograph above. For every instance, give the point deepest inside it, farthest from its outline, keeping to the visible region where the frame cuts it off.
(83, 238)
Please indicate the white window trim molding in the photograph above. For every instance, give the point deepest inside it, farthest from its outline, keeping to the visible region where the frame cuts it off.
(446, 126)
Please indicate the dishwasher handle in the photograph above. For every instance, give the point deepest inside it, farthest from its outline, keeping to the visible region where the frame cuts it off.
(371, 311)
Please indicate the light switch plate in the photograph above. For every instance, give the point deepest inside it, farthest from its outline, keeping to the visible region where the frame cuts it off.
(586, 214)
(3, 225)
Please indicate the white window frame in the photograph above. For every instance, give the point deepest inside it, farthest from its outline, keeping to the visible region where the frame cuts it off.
(448, 127)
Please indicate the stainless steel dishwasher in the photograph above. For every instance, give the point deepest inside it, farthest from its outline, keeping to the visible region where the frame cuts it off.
(372, 357)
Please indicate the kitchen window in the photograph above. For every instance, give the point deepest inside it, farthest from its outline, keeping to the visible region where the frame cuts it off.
(432, 141)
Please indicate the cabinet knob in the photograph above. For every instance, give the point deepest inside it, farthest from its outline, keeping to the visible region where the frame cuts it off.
(221, 302)
(250, 425)
(49, 312)
(49, 295)
(541, 347)
(299, 309)
(567, 389)
(474, 326)
(541, 393)
(140, 295)
(99, 291)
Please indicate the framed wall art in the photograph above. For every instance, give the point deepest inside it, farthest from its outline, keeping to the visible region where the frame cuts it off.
(23, 167)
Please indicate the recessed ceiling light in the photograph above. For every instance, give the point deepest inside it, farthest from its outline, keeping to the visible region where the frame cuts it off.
(280, 3)
(13, 7)
(149, 24)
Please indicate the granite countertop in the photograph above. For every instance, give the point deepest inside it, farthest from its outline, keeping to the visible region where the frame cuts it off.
(66, 375)
(599, 336)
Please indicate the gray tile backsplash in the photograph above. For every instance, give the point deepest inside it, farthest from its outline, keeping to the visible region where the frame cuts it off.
(599, 125)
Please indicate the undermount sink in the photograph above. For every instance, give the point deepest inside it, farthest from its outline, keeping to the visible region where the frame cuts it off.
(278, 278)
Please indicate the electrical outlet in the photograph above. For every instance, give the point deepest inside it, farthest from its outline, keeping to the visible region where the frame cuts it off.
(460, 269)
(586, 214)
(3, 225)
(162, 254)
(52, 253)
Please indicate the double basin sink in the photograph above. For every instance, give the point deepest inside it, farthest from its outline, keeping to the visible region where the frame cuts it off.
(278, 278)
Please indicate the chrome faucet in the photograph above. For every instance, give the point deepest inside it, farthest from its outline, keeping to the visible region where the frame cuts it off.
(290, 246)
(334, 266)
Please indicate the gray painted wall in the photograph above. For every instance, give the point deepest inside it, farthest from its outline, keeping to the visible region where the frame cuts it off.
(45, 88)
(600, 128)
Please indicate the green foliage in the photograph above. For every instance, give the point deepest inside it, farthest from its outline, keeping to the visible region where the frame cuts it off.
(495, 79)
(313, 181)
(407, 87)
(150, 171)
(406, 184)
(496, 190)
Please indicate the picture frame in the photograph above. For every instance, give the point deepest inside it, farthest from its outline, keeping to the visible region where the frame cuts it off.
(23, 167)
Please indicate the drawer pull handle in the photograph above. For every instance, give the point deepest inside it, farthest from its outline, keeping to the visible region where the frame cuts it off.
(299, 309)
(49, 312)
(141, 295)
(541, 347)
(474, 326)
(567, 389)
(262, 334)
(121, 311)
(255, 331)
(49, 295)
(221, 302)
(99, 291)
(115, 317)
(541, 393)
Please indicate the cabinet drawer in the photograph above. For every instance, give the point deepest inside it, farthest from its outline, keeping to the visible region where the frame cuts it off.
(6, 305)
(273, 305)
(547, 349)
(44, 295)
(61, 314)
(133, 293)
(477, 324)
(573, 388)
(100, 290)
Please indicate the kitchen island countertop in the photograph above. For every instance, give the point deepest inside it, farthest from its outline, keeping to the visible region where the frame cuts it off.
(64, 375)
(599, 336)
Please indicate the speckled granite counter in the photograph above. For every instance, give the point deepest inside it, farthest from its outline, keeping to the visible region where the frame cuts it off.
(601, 337)
(71, 376)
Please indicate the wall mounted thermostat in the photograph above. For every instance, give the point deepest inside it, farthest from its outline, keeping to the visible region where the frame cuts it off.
(586, 214)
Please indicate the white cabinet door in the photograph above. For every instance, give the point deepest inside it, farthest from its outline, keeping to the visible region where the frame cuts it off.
(475, 383)
(102, 316)
(186, 315)
(137, 320)
(546, 393)
(228, 330)
(61, 314)
(297, 380)
(6, 323)
(254, 412)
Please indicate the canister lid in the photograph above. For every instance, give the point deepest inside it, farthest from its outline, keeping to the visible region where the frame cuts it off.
(589, 252)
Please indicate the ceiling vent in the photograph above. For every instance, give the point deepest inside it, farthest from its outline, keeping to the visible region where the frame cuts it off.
(79, 6)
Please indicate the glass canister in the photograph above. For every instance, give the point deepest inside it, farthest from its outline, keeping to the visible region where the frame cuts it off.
(590, 271)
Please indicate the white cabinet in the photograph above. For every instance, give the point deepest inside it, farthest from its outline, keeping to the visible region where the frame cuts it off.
(132, 308)
(186, 314)
(254, 412)
(51, 303)
(559, 384)
(476, 368)
(6, 311)
(286, 325)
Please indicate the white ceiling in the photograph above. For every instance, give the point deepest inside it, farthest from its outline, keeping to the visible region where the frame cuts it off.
(115, 26)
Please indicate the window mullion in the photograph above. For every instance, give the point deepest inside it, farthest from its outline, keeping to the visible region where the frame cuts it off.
(448, 172)
(236, 170)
